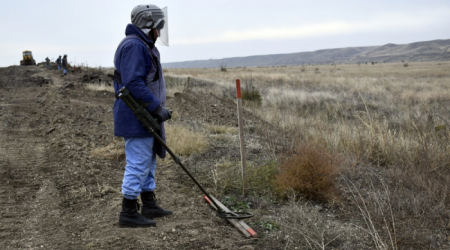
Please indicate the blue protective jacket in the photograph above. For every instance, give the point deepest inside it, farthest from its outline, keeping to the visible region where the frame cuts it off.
(134, 64)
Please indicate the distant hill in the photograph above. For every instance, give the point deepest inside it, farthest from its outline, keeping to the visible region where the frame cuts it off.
(436, 50)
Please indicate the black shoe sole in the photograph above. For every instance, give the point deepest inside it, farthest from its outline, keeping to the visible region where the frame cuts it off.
(121, 224)
(151, 216)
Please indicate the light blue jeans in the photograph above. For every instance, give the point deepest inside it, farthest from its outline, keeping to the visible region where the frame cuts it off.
(139, 173)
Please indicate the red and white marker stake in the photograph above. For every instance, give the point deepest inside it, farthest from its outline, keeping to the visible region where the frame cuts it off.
(240, 224)
(241, 137)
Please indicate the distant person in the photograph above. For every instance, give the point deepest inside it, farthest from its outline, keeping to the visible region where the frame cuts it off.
(138, 68)
(65, 64)
(58, 62)
(48, 62)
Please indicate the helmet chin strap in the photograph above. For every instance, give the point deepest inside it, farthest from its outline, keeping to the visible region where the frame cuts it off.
(147, 32)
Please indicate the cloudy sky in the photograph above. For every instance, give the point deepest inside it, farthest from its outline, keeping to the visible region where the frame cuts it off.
(89, 31)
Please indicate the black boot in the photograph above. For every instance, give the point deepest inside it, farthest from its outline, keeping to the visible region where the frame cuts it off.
(149, 207)
(130, 217)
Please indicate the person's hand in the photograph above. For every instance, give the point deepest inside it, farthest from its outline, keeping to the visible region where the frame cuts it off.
(161, 114)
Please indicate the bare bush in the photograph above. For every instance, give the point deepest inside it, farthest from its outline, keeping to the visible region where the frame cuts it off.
(309, 172)
(223, 67)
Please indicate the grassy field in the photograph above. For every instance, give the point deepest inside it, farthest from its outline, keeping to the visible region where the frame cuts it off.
(388, 123)
(377, 112)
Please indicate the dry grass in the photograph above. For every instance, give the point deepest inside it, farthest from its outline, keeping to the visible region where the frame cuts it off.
(396, 210)
(227, 177)
(183, 141)
(100, 87)
(376, 113)
(306, 227)
(375, 206)
(115, 150)
(221, 129)
(222, 135)
(180, 139)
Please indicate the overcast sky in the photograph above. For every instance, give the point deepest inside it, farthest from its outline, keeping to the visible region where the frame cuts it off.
(89, 31)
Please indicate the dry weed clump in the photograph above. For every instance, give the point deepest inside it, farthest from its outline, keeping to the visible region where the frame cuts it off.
(183, 141)
(224, 139)
(309, 172)
(221, 134)
(100, 87)
(114, 151)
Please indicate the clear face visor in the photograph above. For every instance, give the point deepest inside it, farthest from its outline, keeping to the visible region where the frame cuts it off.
(162, 26)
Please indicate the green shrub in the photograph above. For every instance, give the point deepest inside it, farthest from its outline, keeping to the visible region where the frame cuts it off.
(235, 205)
(269, 225)
(252, 95)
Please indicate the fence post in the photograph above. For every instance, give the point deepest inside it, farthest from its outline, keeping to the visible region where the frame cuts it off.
(188, 82)
(241, 137)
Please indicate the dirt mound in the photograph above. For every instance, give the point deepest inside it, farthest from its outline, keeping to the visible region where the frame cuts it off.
(206, 108)
(39, 80)
(98, 78)
(211, 109)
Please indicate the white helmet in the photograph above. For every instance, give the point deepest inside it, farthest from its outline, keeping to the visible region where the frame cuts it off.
(149, 16)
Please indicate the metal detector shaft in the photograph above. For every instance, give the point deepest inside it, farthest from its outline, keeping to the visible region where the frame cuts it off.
(152, 126)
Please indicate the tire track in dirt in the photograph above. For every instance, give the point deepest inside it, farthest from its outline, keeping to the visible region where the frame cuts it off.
(29, 201)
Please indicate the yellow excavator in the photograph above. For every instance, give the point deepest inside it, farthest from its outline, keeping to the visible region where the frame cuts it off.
(27, 59)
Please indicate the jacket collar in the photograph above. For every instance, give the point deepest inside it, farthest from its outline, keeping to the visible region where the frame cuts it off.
(134, 30)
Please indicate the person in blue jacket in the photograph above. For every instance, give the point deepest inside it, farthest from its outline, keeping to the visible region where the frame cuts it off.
(65, 64)
(138, 68)
(58, 62)
(47, 62)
